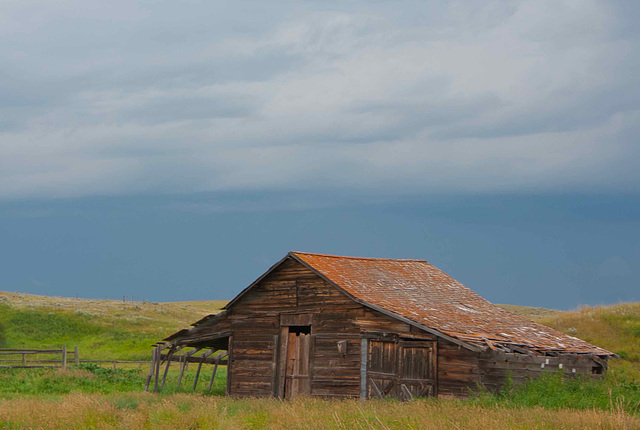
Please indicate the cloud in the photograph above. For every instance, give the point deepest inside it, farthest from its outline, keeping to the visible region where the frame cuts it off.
(134, 97)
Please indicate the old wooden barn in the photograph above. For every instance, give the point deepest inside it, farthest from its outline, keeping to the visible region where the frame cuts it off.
(324, 325)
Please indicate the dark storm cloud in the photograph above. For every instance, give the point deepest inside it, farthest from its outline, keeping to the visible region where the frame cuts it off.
(144, 97)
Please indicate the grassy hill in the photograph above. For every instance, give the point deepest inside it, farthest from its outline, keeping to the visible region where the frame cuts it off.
(125, 330)
(100, 328)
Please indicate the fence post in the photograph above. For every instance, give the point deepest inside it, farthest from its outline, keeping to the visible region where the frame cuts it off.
(64, 356)
(24, 359)
(76, 356)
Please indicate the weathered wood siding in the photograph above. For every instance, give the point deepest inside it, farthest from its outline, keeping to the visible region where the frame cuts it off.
(255, 322)
(497, 367)
(458, 370)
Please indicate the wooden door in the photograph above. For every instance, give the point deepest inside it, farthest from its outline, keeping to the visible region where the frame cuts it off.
(416, 376)
(382, 369)
(401, 369)
(296, 376)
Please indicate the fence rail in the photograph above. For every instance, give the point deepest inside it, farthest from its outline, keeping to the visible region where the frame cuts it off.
(55, 358)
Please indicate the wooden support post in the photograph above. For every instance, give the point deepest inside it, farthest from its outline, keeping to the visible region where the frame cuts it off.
(213, 375)
(76, 356)
(153, 365)
(195, 382)
(114, 364)
(185, 364)
(157, 369)
(205, 355)
(24, 359)
(183, 361)
(166, 369)
(64, 356)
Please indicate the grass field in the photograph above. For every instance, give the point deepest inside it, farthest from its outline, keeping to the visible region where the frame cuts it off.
(109, 329)
(92, 397)
(181, 411)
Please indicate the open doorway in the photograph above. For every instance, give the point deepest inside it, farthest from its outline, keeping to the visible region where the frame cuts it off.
(295, 361)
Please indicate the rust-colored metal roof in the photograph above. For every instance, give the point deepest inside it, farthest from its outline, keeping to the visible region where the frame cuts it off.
(417, 291)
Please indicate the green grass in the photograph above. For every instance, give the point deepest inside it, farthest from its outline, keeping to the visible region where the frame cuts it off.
(617, 391)
(102, 329)
(96, 338)
(89, 378)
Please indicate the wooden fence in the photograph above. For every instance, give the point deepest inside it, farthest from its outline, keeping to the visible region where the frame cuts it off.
(54, 358)
(61, 358)
(29, 358)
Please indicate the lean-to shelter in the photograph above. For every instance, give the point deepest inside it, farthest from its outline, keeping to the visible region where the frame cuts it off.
(332, 326)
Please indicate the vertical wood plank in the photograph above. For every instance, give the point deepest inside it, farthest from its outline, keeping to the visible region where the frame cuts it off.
(282, 361)
(364, 352)
(274, 366)
(312, 342)
(434, 369)
(304, 386)
(292, 349)
(229, 364)
(76, 355)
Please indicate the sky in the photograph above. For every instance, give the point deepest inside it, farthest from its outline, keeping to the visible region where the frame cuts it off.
(165, 150)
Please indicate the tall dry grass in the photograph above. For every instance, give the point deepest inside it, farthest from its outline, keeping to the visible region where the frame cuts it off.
(184, 411)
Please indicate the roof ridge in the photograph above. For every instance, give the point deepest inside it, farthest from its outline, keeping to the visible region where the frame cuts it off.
(358, 258)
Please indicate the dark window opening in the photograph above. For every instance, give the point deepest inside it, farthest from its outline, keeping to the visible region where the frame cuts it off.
(597, 370)
(300, 329)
